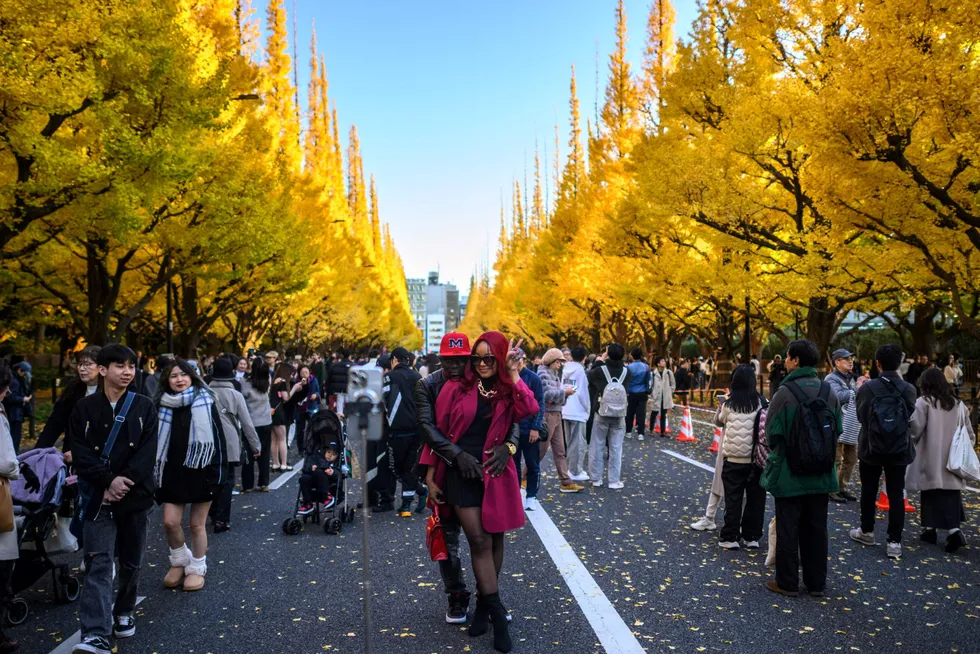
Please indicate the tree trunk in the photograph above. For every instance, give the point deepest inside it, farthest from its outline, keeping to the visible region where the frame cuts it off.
(190, 332)
(923, 329)
(821, 323)
(97, 279)
(597, 328)
(39, 329)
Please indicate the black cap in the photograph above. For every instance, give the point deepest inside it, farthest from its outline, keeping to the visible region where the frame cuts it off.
(401, 354)
(334, 445)
(841, 354)
(222, 369)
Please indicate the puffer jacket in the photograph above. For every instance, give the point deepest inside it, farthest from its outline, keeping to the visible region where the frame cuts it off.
(554, 394)
(739, 433)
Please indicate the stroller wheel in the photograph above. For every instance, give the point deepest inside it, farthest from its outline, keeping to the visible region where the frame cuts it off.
(17, 611)
(333, 526)
(292, 526)
(68, 589)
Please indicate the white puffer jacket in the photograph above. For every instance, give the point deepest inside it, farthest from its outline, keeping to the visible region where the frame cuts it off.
(739, 433)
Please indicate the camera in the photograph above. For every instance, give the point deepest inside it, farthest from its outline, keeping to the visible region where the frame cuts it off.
(365, 403)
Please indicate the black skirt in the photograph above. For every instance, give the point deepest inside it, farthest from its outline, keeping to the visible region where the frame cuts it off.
(942, 509)
(459, 491)
(181, 485)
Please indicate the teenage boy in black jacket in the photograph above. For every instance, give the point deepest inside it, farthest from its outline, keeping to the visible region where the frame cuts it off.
(115, 522)
(403, 440)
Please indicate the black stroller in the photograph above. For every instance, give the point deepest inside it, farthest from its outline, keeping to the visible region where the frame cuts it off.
(35, 522)
(325, 427)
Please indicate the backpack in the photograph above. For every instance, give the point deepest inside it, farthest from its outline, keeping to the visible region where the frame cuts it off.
(612, 404)
(811, 444)
(888, 424)
(760, 446)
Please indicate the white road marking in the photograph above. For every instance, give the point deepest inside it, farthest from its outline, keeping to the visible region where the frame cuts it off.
(283, 478)
(676, 455)
(610, 628)
(65, 646)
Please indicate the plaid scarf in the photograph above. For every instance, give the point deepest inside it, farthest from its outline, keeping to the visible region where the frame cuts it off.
(200, 445)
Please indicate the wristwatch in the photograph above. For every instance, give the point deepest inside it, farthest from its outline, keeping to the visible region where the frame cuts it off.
(511, 448)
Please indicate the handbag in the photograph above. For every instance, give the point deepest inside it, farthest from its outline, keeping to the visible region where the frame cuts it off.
(85, 490)
(6, 507)
(963, 461)
(435, 538)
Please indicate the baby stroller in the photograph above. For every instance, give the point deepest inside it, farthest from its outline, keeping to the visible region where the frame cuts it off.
(325, 427)
(36, 517)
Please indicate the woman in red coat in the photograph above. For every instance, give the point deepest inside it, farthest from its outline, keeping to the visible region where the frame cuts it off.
(481, 485)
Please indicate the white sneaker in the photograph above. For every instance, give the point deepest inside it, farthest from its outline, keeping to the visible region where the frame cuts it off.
(640, 437)
(629, 435)
(596, 484)
(704, 524)
(893, 550)
(615, 485)
(752, 545)
(729, 544)
(580, 476)
(531, 503)
(861, 537)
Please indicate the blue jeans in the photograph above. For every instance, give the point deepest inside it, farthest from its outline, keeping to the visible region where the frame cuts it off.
(531, 454)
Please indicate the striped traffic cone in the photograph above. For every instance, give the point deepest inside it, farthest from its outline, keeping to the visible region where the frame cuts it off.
(716, 441)
(686, 434)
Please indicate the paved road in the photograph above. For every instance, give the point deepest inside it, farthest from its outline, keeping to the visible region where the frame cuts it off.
(674, 589)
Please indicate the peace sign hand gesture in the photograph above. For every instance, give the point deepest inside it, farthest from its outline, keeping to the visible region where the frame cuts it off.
(514, 357)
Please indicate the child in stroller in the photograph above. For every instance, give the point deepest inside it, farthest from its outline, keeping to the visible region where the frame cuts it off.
(323, 484)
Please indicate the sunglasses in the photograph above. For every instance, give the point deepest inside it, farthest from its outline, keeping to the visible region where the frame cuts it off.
(489, 360)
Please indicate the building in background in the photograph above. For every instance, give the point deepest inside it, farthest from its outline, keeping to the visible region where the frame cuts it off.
(462, 308)
(435, 308)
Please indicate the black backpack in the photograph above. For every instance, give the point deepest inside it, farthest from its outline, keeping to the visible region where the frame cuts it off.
(888, 424)
(811, 445)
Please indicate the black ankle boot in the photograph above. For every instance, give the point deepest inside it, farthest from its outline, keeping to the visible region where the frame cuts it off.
(501, 632)
(481, 617)
(955, 541)
(928, 536)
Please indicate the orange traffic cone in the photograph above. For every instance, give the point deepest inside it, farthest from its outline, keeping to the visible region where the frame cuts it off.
(908, 505)
(686, 434)
(656, 427)
(716, 441)
(882, 503)
(667, 423)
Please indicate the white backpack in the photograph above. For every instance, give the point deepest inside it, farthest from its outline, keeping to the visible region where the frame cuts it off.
(612, 404)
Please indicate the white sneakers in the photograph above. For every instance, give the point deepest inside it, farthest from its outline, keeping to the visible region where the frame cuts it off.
(615, 485)
(860, 537)
(729, 544)
(704, 524)
(639, 437)
(893, 550)
(752, 545)
(596, 484)
(531, 503)
(579, 476)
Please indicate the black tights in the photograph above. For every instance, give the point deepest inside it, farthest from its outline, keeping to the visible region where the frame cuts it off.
(486, 549)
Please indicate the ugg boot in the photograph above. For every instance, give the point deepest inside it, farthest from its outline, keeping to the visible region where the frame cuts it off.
(195, 573)
(180, 557)
(501, 632)
(481, 616)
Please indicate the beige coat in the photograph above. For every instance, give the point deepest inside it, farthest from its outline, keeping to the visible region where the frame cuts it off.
(932, 433)
(9, 469)
(663, 389)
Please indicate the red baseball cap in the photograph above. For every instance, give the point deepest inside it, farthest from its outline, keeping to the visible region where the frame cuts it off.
(454, 344)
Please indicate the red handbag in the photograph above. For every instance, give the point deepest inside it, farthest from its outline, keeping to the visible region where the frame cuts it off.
(435, 538)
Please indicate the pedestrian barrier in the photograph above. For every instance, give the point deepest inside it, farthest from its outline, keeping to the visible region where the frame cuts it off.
(716, 441)
(686, 434)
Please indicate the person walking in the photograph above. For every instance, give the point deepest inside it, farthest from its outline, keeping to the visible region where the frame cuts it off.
(14, 405)
(845, 387)
(255, 390)
(683, 380)
(529, 450)
(555, 395)
(403, 439)
(662, 396)
(576, 414)
(938, 414)
(738, 415)
(884, 408)
(608, 382)
(637, 394)
(777, 372)
(801, 491)
(190, 468)
(337, 381)
(240, 436)
(280, 392)
(479, 410)
(305, 400)
(113, 436)
(84, 383)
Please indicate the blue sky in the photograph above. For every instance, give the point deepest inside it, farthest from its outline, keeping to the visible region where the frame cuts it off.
(449, 97)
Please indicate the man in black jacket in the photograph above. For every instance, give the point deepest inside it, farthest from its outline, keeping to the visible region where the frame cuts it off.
(454, 355)
(122, 496)
(337, 381)
(884, 449)
(403, 439)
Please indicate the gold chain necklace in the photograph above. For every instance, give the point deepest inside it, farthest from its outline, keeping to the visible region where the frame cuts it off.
(484, 392)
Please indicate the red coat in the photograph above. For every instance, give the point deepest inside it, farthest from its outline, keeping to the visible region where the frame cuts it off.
(502, 509)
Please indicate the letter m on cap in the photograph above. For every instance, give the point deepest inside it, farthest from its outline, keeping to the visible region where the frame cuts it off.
(456, 343)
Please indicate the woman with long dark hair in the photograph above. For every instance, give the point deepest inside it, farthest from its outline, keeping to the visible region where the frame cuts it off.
(256, 391)
(282, 415)
(190, 467)
(938, 414)
(481, 487)
(738, 415)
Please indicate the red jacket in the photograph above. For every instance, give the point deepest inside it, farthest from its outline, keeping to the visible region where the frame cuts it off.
(455, 410)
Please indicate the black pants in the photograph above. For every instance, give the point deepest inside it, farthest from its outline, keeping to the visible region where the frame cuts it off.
(894, 488)
(248, 468)
(402, 452)
(742, 480)
(301, 420)
(16, 430)
(801, 538)
(636, 411)
(381, 483)
(315, 485)
(660, 412)
(221, 506)
(450, 568)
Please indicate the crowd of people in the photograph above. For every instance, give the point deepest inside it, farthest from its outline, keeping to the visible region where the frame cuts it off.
(465, 433)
